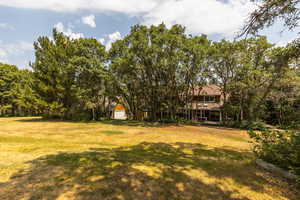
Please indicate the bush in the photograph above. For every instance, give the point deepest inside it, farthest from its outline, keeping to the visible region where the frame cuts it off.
(257, 125)
(281, 148)
(81, 116)
(292, 125)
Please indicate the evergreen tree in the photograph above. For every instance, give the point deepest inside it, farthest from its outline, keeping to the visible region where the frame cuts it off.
(68, 75)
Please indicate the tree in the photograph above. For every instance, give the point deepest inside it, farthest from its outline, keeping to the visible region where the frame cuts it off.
(8, 77)
(155, 67)
(194, 73)
(16, 94)
(246, 72)
(68, 75)
(26, 99)
(223, 64)
(269, 11)
(283, 103)
(265, 16)
(260, 66)
(91, 76)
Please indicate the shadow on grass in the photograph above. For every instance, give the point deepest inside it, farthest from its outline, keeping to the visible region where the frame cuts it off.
(110, 122)
(220, 126)
(137, 123)
(112, 132)
(144, 171)
(41, 119)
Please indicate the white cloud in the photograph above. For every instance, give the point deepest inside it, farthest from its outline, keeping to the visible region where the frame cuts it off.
(208, 17)
(3, 54)
(89, 20)
(6, 26)
(23, 46)
(68, 31)
(101, 40)
(110, 38)
(15, 48)
(283, 43)
(11, 50)
(128, 6)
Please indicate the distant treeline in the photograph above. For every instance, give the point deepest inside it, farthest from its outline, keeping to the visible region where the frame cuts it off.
(154, 69)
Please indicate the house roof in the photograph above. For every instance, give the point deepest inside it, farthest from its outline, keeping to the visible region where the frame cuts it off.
(207, 90)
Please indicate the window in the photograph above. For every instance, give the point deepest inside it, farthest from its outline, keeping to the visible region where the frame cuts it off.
(206, 99)
(210, 98)
(201, 98)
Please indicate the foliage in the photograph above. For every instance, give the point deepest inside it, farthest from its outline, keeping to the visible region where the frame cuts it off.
(156, 67)
(246, 71)
(281, 148)
(8, 74)
(252, 125)
(283, 103)
(69, 75)
(16, 92)
(155, 72)
(269, 11)
(282, 106)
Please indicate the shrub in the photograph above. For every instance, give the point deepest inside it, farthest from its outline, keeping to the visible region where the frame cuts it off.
(81, 116)
(292, 125)
(256, 125)
(281, 148)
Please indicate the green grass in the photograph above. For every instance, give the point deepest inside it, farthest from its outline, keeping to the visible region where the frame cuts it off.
(43, 159)
(112, 132)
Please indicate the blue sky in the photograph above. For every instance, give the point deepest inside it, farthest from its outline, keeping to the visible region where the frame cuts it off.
(23, 21)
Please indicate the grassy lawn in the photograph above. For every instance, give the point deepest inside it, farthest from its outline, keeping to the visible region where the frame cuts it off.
(125, 160)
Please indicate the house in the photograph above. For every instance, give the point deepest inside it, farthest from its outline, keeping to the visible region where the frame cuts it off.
(206, 104)
(119, 112)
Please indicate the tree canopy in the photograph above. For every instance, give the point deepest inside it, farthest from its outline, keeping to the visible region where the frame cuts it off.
(269, 11)
(154, 70)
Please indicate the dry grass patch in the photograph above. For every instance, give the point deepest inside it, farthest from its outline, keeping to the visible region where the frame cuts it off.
(130, 160)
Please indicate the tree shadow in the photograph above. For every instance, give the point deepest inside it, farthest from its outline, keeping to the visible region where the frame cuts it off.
(109, 122)
(222, 127)
(144, 171)
(138, 123)
(55, 120)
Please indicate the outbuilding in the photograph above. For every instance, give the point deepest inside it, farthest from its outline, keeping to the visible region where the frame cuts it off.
(119, 112)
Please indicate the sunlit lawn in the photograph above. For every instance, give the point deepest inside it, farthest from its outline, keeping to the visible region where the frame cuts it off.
(126, 160)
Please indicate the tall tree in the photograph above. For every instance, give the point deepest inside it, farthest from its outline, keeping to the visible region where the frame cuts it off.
(260, 66)
(154, 67)
(283, 104)
(16, 94)
(223, 66)
(269, 11)
(68, 74)
(8, 84)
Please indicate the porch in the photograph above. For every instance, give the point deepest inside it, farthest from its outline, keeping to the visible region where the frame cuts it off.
(201, 115)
